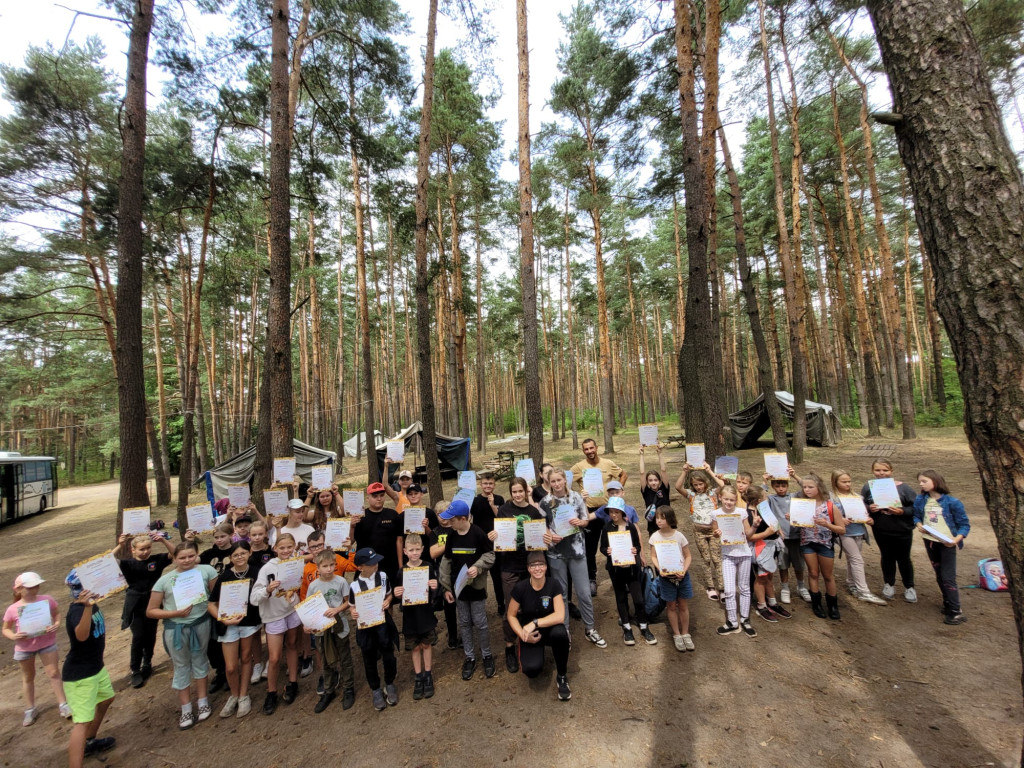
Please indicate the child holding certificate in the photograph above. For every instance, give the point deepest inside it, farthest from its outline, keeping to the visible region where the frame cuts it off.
(277, 612)
(32, 623)
(764, 541)
(696, 485)
(942, 520)
(673, 578)
(817, 544)
(376, 634)
(656, 490)
(853, 540)
(436, 541)
(141, 569)
(894, 531)
(334, 649)
(237, 627)
(180, 598)
(625, 576)
(735, 563)
(419, 625)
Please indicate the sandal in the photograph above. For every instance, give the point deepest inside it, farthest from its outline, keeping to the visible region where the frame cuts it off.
(713, 595)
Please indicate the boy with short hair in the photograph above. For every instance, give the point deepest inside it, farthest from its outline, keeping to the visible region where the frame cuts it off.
(310, 573)
(468, 547)
(482, 513)
(377, 642)
(419, 625)
(241, 528)
(333, 645)
(789, 554)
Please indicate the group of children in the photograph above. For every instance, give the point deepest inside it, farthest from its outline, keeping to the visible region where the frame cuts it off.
(455, 553)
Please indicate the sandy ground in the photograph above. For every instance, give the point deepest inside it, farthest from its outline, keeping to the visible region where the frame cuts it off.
(886, 686)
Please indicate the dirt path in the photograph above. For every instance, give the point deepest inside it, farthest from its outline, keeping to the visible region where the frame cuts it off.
(886, 686)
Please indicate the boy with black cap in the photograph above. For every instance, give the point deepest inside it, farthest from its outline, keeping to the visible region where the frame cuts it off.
(377, 642)
(468, 547)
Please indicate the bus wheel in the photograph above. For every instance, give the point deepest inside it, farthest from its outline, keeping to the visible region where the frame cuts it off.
(42, 504)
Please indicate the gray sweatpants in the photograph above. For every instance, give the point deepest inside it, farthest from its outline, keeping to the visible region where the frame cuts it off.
(472, 615)
(577, 566)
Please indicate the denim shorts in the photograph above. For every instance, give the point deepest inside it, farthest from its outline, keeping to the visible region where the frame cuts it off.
(280, 626)
(26, 655)
(675, 590)
(815, 548)
(235, 632)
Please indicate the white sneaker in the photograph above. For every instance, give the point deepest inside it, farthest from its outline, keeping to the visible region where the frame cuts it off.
(688, 642)
(204, 712)
(593, 636)
(30, 717)
(784, 594)
(679, 642)
(65, 711)
(257, 670)
(244, 706)
(868, 597)
(805, 594)
(910, 595)
(888, 591)
(263, 673)
(229, 706)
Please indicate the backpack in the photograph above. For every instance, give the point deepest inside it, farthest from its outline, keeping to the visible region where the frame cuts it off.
(991, 575)
(653, 604)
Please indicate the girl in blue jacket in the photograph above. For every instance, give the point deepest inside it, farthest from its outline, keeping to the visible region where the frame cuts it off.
(942, 521)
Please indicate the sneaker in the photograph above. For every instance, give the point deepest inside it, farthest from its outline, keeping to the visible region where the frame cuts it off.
(392, 694)
(511, 660)
(95, 746)
(257, 671)
(574, 612)
(748, 628)
(348, 698)
(910, 595)
(270, 703)
(322, 703)
(30, 717)
(244, 706)
(852, 589)
(677, 640)
(627, 637)
(263, 672)
(593, 587)
(888, 591)
(379, 702)
(648, 636)
(230, 706)
(805, 594)
(728, 629)
(780, 612)
(291, 691)
(307, 667)
(204, 712)
(186, 720)
(468, 668)
(489, 666)
(417, 687)
(320, 686)
(564, 694)
(784, 594)
(137, 680)
(146, 670)
(768, 615)
(428, 685)
(688, 642)
(868, 597)
(593, 636)
(954, 619)
(65, 711)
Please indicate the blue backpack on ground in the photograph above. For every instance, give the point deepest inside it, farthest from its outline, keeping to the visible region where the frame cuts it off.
(653, 603)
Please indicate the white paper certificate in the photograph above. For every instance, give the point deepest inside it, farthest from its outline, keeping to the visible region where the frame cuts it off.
(621, 543)
(238, 495)
(200, 517)
(354, 504)
(414, 517)
(311, 613)
(370, 607)
(883, 493)
(648, 434)
(136, 520)
(854, 509)
(525, 470)
(396, 451)
(731, 527)
(593, 482)
(764, 509)
(561, 525)
(323, 477)
(101, 575)
(801, 512)
(289, 573)
(568, 478)
(337, 530)
(34, 618)
(234, 599)
(467, 480)
(461, 580)
(506, 528)
(415, 586)
(189, 588)
(533, 535)
(776, 465)
(284, 470)
(695, 454)
(275, 501)
(670, 557)
(943, 537)
(465, 495)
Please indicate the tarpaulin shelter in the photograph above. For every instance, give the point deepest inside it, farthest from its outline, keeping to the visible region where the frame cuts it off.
(823, 427)
(239, 469)
(452, 452)
(360, 440)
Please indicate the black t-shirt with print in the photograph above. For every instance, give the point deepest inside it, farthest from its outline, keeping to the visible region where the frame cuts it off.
(533, 603)
(218, 558)
(141, 575)
(464, 550)
(653, 500)
(252, 613)
(258, 559)
(85, 657)
(380, 530)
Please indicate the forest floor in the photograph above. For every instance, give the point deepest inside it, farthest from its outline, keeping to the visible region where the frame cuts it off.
(885, 686)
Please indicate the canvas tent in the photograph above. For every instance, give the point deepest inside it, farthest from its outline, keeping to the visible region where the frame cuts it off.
(452, 452)
(823, 427)
(350, 444)
(239, 469)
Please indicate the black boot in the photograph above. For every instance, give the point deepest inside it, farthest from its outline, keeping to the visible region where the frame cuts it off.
(428, 684)
(816, 605)
(291, 690)
(833, 606)
(417, 688)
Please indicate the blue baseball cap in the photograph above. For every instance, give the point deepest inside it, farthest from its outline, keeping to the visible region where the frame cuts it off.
(458, 508)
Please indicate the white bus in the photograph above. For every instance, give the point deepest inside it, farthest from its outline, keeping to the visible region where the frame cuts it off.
(28, 484)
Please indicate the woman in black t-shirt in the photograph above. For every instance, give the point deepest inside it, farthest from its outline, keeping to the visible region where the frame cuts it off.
(655, 490)
(536, 613)
(141, 569)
